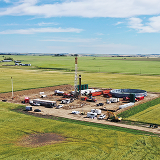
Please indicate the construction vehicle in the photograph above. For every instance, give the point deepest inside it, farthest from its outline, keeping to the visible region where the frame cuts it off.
(91, 100)
(65, 95)
(83, 98)
(113, 117)
(83, 113)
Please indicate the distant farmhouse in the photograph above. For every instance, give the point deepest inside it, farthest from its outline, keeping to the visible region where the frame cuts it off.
(6, 60)
(21, 64)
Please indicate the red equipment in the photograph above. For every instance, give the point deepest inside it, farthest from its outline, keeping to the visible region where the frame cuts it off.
(26, 100)
(97, 93)
(83, 98)
(106, 93)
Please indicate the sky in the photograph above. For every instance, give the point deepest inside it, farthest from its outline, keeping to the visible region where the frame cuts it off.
(80, 26)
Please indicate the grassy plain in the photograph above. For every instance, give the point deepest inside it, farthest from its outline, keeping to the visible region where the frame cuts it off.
(27, 79)
(108, 72)
(82, 142)
(142, 66)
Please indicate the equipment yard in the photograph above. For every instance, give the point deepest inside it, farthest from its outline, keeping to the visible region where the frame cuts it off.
(77, 109)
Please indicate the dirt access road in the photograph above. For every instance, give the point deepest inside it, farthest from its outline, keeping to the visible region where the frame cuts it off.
(77, 105)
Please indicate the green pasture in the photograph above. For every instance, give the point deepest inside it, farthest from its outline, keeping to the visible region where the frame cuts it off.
(82, 142)
(150, 115)
(37, 78)
(140, 66)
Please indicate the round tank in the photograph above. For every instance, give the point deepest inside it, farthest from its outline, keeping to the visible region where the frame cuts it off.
(120, 93)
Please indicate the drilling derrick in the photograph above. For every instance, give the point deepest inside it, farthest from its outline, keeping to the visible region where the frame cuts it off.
(75, 81)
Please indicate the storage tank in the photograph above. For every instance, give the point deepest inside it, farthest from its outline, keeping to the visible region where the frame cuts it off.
(132, 98)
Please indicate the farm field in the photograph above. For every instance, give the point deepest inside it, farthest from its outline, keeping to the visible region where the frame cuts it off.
(107, 72)
(80, 141)
(150, 115)
(27, 79)
(129, 65)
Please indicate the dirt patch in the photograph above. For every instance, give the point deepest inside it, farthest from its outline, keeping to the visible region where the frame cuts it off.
(33, 93)
(36, 140)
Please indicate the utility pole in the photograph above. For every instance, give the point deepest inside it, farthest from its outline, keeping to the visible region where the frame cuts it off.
(12, 86)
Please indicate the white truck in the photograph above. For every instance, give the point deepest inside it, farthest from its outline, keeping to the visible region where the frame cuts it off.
(65, 101)
(91, 115)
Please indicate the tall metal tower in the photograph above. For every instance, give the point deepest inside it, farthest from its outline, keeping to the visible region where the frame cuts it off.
(75, 80)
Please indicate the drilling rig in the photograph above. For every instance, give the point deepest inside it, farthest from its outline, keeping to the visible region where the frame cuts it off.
(75, 80)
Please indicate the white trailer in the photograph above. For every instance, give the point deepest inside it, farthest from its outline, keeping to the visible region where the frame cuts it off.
(59, 93)
(65, 101)
(91, 115)
(98, 111)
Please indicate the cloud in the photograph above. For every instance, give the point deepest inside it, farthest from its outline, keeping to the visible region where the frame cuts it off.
(118, 23)
(99, 34)
(84, 8)
(41, 30)
(152, 26)
(73, 40)
(7, 1)
(10, 24)
(47, 24)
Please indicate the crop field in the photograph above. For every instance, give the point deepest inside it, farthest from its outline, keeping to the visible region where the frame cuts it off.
(150, 115)
(106, 72)
(131, 66)
(27, 79)
(81, 141)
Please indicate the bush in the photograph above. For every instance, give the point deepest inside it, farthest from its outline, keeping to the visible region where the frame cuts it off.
(8, 58)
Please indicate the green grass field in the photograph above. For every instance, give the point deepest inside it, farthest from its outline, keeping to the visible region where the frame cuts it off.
(82, 142)
(150, 115)
(142, 66)
(27, 79)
